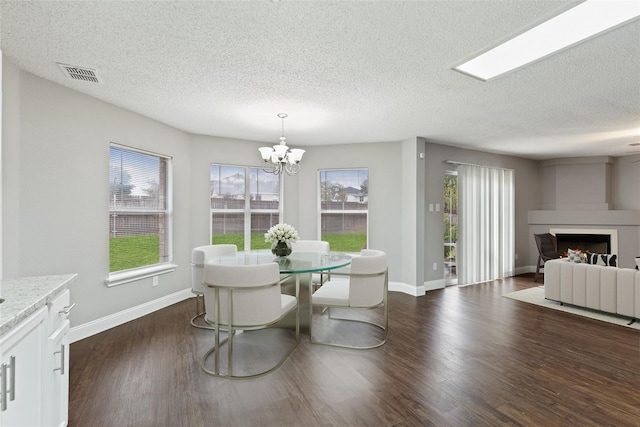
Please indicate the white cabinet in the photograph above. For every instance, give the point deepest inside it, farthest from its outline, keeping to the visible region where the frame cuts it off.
(56, 409)
(56, 404)
(23, 377)
(35, 368)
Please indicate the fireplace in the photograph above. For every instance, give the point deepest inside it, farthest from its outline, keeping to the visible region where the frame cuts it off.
(595, 241)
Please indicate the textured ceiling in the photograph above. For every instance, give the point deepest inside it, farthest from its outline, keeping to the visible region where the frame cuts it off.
(344, 71)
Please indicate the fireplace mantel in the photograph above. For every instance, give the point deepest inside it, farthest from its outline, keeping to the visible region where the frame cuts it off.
(585, 217)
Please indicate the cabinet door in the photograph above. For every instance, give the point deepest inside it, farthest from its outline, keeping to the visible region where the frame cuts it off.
(57, 396)
(22, 352)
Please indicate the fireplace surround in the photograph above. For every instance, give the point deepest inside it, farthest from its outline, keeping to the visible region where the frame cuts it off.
(586, 195)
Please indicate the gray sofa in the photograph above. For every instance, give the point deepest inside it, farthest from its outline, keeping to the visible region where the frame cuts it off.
(609, 289)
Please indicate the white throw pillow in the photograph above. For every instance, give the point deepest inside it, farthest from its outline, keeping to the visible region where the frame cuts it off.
(576, 256)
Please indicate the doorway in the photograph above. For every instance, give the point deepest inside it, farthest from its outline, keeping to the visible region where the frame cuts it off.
(450, 227)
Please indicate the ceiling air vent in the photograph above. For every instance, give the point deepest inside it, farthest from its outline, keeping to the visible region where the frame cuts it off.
(80, 73)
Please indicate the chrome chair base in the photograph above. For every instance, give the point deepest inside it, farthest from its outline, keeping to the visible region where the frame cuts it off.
(339, 294)
(383, 328)
(200, 315)
(194, 323)
(211, 352)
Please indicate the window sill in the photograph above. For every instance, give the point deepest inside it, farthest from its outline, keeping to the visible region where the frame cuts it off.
(122, 277)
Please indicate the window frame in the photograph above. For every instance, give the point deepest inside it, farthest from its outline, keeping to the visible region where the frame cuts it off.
(247, 211)
(321, 211)
(151, 270)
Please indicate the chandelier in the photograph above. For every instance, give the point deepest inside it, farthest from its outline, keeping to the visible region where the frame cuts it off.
(281, 158)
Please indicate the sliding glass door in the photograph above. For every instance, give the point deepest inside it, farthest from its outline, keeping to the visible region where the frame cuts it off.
(450, 227)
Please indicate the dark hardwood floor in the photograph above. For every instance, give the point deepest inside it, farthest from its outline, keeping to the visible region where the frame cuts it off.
(462, 356)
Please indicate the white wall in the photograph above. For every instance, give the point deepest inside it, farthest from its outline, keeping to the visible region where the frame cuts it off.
(625, 178)
(388, 209)
(578, 183)
(626, 196)
(205, 150)
(56, 197)
(411, 214)
(527, 197)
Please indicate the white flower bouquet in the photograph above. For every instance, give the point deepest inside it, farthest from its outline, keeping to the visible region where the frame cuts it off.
(281, 233)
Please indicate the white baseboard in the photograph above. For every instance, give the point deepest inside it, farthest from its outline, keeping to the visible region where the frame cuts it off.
(432, 285)
(88, 329)
(526, 269)
(406, 288)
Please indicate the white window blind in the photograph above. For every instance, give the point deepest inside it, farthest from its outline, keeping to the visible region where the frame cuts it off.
(139, 209)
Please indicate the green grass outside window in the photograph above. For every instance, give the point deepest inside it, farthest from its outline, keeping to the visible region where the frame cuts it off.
(133, 251)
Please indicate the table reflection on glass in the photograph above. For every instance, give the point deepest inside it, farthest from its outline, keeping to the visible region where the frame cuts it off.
(296, 268)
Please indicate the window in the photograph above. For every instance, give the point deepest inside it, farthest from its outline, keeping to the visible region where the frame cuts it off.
(344, 208)
(139, 211)
(245, 203)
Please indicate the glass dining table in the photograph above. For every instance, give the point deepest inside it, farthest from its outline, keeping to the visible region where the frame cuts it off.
(296, 270)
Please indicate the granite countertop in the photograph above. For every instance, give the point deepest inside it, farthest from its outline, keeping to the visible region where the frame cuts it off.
(25, 295)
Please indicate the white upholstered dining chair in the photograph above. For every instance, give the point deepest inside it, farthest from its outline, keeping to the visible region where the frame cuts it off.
(246, 298)
(363, 288)
(199, 256)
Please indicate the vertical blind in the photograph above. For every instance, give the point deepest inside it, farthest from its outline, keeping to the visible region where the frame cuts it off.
(486, 241)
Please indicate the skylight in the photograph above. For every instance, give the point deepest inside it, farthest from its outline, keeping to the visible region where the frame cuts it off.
(573, 26)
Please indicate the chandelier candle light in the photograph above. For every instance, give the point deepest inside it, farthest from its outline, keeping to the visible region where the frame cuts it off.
(281, 158)
(281, 236)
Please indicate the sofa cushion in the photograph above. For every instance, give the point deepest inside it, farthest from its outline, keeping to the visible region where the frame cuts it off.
(608, 286)
(609, 260)
(625, 291)
(552, 278)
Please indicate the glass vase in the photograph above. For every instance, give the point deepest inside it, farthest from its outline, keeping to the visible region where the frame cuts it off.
(281, 249)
